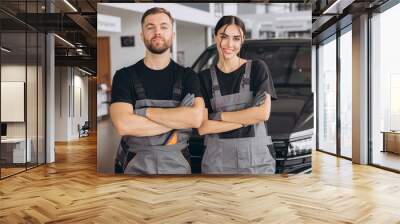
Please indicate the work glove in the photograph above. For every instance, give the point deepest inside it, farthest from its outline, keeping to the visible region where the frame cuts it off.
(141, 112)
(215, 116)
(259, 99)
(187, 101)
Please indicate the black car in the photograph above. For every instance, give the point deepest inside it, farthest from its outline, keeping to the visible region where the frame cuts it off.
(291, 121)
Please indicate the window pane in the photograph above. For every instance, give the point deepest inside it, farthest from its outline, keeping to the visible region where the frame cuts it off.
(327, 96)
(41, 98)
(385, 88)
(31, 97)
(346, 94)
(14, 153)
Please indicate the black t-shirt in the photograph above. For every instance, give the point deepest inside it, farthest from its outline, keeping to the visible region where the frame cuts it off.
(158, 84)
(229, 83)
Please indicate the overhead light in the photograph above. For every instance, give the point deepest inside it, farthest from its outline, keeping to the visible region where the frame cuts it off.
(70, 5)
(338, 6)
(5, 50)
(326, 11)
(80, 51)
(84, 71)
(65, 41)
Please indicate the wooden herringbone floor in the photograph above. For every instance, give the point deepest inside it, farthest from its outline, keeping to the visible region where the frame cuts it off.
(70, 191)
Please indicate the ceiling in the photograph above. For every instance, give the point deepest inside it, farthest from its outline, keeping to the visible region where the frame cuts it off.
(330, 15)
(76, 22)
(72, 20)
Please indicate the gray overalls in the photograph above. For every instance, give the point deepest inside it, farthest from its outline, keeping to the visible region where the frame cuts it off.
(248, 155)
(151, 155)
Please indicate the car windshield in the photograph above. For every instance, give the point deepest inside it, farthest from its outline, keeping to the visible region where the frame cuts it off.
(290, 66)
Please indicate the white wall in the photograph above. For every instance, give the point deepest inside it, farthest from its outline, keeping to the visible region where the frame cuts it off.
(14, 73)
(191, 37)
(33, 127)
(179, 12)
(69, 85)
(130, 26)
(80, 84)
(280, 23)
(61, 103)
(17, 73)
(230, 8)
(192, 41)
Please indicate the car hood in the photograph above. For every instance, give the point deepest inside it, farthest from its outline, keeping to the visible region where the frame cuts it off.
(290, 114)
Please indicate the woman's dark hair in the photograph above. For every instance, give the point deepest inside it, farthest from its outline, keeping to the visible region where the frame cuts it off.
(156, 10)
(229, 20)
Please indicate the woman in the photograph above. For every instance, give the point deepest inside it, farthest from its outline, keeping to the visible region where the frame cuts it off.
(237, 93)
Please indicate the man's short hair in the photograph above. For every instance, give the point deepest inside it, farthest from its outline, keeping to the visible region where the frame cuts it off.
(156, 10)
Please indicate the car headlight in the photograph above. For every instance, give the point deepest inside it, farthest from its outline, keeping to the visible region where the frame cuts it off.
(300, 143)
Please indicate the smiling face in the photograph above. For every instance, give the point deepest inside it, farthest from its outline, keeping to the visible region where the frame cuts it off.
(157, 33)
(229, 39)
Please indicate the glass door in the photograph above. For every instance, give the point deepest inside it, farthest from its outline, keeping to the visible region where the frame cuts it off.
(13, 103)
(327, 95)
(385, 89)
(346, 92)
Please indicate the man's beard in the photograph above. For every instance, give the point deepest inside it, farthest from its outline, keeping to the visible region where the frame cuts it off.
(157, 50)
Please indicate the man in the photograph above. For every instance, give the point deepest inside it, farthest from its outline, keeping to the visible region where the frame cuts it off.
(155, 105)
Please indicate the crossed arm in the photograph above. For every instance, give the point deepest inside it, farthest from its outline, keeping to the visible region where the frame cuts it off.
(157, 120)
(236, 119)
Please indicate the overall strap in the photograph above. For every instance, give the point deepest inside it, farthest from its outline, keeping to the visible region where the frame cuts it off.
(245, 83)
(216, 91)
(177, 89)
(138, 86)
